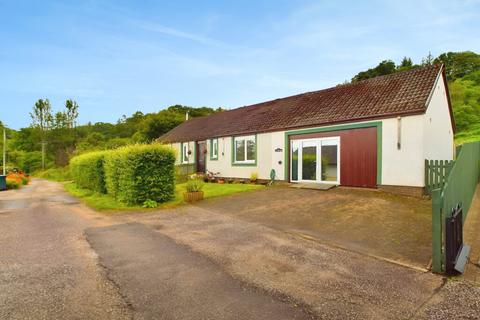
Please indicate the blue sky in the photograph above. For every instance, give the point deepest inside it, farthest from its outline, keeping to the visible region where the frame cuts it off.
(117, 57)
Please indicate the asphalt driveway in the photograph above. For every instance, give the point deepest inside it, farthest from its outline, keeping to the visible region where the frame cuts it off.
(371, 222)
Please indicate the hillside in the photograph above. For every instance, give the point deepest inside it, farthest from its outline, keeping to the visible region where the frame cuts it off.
(463, 75)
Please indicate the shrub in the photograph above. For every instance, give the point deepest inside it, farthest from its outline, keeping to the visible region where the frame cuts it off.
(137, 173)
(111, 166)
(55, 174)
(150, 204)
(253, 177)
(87, 171)
(12, 184)
(194, 185)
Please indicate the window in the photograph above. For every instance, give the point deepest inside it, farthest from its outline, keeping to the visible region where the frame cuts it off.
(184, 152)
(213, 149)
(245, 150)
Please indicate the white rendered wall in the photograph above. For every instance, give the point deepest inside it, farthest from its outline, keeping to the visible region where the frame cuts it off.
(178, 151)
(224, 163)
(438, 137)
(403, 166)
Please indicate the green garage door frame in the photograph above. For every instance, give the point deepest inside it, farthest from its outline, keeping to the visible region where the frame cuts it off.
(376, 124)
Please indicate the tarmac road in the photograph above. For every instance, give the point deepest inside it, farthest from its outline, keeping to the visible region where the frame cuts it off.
(49, 270)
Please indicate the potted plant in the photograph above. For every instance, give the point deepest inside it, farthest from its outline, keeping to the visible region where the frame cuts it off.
(194, 190)
(253, 177)
(221, 181)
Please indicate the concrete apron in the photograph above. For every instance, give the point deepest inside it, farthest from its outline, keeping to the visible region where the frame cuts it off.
(471, 236)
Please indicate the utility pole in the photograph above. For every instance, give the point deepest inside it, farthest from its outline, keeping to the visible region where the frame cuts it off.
(43, 155)
(4, 151)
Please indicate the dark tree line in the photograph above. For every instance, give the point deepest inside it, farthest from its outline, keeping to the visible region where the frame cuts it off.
(54, 137)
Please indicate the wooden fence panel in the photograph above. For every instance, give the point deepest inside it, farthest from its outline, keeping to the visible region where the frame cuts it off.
(436, 173)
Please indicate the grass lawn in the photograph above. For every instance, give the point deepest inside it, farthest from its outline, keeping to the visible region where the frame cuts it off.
(103, 202)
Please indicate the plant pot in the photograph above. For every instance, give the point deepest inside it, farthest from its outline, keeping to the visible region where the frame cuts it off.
(193, 196)
(221, 181)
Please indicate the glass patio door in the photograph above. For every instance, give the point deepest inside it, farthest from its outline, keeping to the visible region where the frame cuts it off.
(309, 161)
(330, 155)
(306, 165)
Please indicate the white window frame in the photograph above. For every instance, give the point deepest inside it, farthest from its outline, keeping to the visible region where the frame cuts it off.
(214, 146)
(185, 155)
(335, 140)
(245, 139)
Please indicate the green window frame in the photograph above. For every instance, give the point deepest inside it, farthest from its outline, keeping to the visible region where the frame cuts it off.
(244, 150)
(214, 149)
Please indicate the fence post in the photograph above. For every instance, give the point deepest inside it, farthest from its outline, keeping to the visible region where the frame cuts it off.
(426, 177)
(436, 231)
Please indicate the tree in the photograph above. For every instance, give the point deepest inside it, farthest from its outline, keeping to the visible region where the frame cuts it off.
(383, 68)
(406, 64)
(71, 113)
(42, 119)
(428, 60)
(459, 64)
(160, 123)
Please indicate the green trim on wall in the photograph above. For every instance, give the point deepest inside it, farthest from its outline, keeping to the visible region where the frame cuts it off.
(254, 164)
(211, 149)
(377, 124)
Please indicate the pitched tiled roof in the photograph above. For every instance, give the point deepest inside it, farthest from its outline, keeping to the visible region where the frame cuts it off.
(402, 93)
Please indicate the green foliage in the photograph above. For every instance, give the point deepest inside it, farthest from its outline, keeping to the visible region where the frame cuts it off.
(24, 181)
(383, 68)
(88, 172)
(194, 185)
(253, 176)
(465, 97)
(55, 174)
(463, 73)
(138, 173)
(150, 204)
(459, 64)
(12, 184)
(160, 123)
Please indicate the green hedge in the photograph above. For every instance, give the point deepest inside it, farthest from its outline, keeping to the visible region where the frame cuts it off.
(134, 174)
(88, 172)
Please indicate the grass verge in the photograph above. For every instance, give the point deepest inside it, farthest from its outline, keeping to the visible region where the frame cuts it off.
(59, 174)
(104, 202)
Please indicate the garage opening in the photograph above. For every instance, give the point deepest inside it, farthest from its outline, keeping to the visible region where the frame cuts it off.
(344, 157)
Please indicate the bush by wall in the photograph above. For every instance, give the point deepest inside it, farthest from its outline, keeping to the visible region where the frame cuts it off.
(135, 174)
(87, 171)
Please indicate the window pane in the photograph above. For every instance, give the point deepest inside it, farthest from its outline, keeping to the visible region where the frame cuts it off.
(185, 153)
(215, 147)
(251, 150)
(309, 161)
(329, 162)
(239, 150)
(295, 161)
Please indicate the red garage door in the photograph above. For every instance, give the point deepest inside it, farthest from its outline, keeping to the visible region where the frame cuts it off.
(358, 155)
